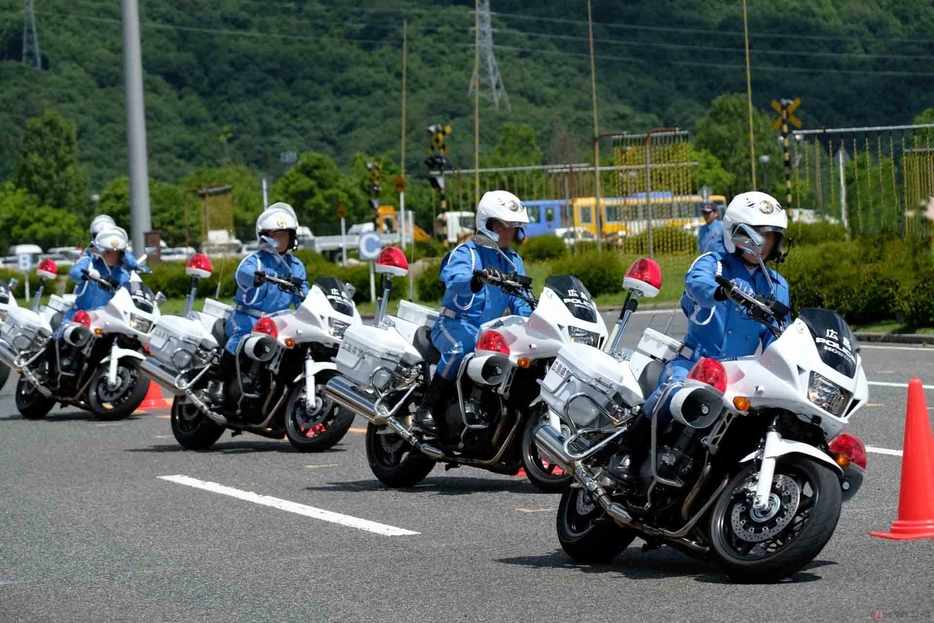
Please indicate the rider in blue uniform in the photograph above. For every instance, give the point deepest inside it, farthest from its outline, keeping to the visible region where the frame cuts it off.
(275, 231)
(717, 327)
(467, 302)
(104, 262)
(710, 234)
(102, 222)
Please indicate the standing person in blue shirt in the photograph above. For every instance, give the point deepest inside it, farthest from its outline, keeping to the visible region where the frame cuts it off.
(276, 233)
(468, 303)
(710, 234)
(717, 327)
(102, 222)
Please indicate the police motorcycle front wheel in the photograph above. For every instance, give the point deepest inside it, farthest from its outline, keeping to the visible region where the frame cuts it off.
(115, 402)
(586, 532)
(192, 429)
(539, 468)
(317, 427)
(30, 403)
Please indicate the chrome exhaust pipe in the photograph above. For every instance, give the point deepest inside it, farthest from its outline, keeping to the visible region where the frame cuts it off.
(346, 395)
(165, 377)
(161, 374)
(9, 356)
(551, 443)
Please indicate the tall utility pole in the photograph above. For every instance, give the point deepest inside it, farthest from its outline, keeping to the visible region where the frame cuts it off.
(135, 126)
(476, 103)
(486, 70)
(752, 136)
(596, 133)
(31, 54)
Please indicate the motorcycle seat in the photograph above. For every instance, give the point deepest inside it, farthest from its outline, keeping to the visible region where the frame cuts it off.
(218, 332)
(425, 348)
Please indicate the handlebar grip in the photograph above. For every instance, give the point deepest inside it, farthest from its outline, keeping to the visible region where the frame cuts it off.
(524, 281)
(259, 277)
(723, 281)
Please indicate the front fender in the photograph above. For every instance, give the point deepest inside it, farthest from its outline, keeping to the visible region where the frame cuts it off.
(125, 352)
(786, 446)
(316, 368)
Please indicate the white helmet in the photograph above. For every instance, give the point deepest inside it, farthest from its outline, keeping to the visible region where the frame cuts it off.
(111, 239)
(760, 210)
(275, 217)
(503, 206)
(100, 223)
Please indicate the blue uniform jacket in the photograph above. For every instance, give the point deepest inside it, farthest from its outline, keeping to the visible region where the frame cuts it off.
(722, 329)
(266, 298)
(710, 238)
(490, 301)
(89, 294)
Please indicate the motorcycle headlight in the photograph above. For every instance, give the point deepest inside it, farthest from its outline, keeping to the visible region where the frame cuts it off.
(336, 327)
(826, 394)
(581, 336)
(138, 323)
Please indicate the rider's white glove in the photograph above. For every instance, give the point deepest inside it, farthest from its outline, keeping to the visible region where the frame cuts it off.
(94, 274)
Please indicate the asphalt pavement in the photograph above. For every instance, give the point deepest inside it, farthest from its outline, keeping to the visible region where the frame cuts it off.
(90, 530)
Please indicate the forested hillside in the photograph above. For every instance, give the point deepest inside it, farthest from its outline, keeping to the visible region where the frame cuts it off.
(244, 80)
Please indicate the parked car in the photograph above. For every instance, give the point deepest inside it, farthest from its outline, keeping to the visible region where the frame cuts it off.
(573, 235)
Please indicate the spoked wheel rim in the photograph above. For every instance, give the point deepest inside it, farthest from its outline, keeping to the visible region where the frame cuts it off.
(390, 449)
(112, 397)
(582, 513)
(751, 535)
(187, 416)
(543, 464)
(314, 422)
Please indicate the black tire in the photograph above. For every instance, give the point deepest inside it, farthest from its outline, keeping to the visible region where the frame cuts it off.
(115, 404)
(192, 429)
(29, 402)
(586, 534)
(318, 431)
(4, 374)
(800, 539)
(545, 475)
(393, 461)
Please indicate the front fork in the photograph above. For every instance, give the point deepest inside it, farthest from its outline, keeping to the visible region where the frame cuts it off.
(113, 365)
(310, 369)
(767, 470)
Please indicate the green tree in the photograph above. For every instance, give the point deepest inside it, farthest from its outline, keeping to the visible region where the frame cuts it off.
(247, 197)
(724, 132)
(516, 148)
(23, 220)
(165, 201)
(710, 172)
(315, 187)
(48, 166)
(925, 137)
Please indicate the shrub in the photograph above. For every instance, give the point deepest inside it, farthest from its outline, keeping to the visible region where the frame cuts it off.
(428, 286)
(602, 273)
(543, 248)
(917, 301)
(430, 248)
(664, 240)
(807, 234)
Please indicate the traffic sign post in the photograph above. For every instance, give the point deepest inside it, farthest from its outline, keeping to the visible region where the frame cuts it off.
(342, 215)
(785, 108)
(24, 260)
(369, 246)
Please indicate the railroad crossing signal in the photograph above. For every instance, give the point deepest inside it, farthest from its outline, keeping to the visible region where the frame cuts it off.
(438, 132)
(785, 109)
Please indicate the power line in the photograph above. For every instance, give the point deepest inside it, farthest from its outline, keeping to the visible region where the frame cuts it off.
(679, 46)
(758, 35)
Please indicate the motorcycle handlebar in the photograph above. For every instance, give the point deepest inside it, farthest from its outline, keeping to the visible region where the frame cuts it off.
(260, 277)
(764, 312)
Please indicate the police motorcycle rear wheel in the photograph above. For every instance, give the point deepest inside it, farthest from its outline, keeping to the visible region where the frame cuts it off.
(115, 403)
(392, 460)
(4, 374)
(192, 429)
(31, 404)
(321, 427)
(585, 532)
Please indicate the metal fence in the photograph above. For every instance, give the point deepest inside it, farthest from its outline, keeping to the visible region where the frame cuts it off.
(871, 179)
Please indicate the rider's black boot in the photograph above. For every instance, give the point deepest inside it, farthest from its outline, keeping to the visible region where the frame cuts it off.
(217, 387)
(437, 390)
(624, 465)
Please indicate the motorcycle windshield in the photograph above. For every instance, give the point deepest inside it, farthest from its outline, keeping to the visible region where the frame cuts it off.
(4, 292)
(336, 293)
(574, 295)
(835, 342)
(143, 298)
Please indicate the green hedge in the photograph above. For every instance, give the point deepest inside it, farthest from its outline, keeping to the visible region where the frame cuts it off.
(601, 273)
(428, 286)
(543, 248)
(664, 240)
(807, 234)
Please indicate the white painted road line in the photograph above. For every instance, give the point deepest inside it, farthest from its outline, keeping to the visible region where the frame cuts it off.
(876, 347)
(885, 384)
(291, 507)
(883, 451)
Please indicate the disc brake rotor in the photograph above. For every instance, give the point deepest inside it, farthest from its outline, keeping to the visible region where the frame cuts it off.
(584, 505)
(109, 394)
(754, 526)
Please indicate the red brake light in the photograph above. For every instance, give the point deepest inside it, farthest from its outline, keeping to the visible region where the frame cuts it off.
(709, 371)
(493, 341)
(47, 269)
(848, 449)
(199, 266)
(82, 317)
(391, 260)
(267, 326)
(644, 276)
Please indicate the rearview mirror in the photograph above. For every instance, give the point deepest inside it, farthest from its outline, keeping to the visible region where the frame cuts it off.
(747, 239)
(160, 299)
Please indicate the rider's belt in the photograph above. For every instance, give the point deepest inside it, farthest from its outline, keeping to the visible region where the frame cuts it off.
(243, 309)
(447, 313)
(686, 351)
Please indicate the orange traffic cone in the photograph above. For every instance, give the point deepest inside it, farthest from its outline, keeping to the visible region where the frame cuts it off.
(916, 496)
(154, 401)
(520, 473)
